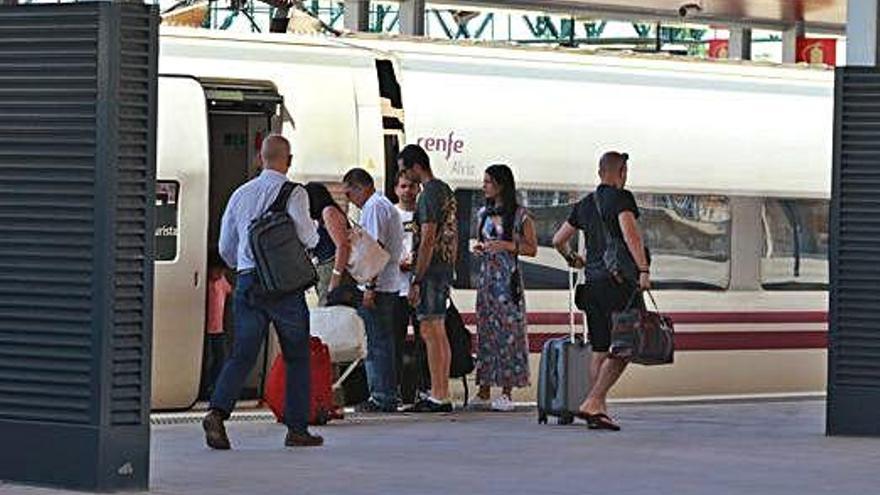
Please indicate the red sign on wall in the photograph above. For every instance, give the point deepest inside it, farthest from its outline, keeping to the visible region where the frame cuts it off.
(718, 48)
(817, 50)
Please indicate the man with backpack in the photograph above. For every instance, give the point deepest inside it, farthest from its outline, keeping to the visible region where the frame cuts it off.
(255, 308)
(616, 268)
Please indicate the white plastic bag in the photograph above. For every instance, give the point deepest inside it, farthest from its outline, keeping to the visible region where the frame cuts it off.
(367, 258)
(342, 330)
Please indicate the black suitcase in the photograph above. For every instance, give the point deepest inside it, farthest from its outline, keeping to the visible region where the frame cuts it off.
(564, 375)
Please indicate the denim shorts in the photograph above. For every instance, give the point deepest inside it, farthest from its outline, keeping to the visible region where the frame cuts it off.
(434, 294)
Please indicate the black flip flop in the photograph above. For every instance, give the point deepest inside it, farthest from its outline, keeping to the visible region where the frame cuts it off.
(584, 416)
(601, 421)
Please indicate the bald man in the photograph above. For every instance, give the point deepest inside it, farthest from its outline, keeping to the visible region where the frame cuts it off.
(288, 313)
(614, 207)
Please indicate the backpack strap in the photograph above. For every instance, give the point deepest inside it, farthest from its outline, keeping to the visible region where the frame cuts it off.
(280, 203)
(606, 232)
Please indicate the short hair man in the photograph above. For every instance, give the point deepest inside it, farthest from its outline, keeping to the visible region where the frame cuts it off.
(620, 214)
(435, 247)
(406, 187)
(289, 312)
(380, 219)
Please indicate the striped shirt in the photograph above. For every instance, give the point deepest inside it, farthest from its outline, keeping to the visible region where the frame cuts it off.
(251, 200)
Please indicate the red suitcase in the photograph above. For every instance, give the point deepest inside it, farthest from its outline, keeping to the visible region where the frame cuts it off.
(321, 406)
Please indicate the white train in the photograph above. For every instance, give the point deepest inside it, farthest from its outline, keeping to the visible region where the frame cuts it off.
(730, 163)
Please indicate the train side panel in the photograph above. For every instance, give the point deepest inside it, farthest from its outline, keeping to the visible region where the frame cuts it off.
(181, 250)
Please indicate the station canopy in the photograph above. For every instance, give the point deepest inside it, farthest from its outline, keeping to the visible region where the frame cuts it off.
(817, 15)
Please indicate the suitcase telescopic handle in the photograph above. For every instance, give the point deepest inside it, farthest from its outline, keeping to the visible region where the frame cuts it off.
(572, 279)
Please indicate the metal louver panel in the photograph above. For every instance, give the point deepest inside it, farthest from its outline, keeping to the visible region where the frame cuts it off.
(77, 178)
(132, 312)
(48, 98)
(854, 330)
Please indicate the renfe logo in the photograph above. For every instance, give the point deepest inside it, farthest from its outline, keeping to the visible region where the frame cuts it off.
(449, 145)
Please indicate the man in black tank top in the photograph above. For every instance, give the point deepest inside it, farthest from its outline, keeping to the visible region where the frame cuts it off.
(610, 211)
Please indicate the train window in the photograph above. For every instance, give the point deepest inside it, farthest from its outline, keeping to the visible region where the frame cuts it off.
(795, 251)
(689, 240)
(167, 195)
(549, 209)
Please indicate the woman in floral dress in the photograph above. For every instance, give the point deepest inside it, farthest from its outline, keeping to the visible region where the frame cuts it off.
(505, 232)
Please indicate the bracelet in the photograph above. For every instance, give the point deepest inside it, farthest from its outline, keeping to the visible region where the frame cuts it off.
(337, 272)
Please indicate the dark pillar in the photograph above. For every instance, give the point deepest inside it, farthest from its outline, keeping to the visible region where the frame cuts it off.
(854, 313)
(357, 15)
(789, 42)
(412, 17)
(740, 43)
(862, 42)
(77, 173)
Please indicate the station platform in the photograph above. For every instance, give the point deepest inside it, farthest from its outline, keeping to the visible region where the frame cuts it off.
(718, 448)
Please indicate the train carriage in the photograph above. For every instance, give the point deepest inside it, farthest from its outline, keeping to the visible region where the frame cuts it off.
(729, 165)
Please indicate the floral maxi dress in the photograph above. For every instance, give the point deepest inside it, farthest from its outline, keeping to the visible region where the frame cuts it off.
(503, 347)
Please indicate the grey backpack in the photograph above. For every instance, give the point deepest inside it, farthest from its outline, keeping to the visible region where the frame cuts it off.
(283, 263)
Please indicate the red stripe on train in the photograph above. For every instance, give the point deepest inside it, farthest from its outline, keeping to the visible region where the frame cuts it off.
(688, 317)
(723, 341)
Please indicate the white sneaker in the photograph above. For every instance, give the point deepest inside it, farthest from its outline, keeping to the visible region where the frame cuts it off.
(503, 404)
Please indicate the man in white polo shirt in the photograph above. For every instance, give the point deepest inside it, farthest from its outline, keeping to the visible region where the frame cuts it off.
(380, 219)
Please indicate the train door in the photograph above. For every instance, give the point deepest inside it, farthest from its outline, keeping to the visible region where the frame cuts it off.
(181, 213)
(392, 121)
(240, 115)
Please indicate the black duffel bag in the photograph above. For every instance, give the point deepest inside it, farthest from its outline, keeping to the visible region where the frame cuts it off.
(460, 344)
(641, 336)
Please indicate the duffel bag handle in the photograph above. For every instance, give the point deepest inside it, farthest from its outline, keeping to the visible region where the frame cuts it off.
(638, 291)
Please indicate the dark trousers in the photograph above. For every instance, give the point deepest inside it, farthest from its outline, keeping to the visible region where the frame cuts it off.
(604, 297)
(215, 356)
(290, 315)
(404, 316)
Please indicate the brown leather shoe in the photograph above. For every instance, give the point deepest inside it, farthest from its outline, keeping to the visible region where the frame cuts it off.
(215, 432)
(306, 439)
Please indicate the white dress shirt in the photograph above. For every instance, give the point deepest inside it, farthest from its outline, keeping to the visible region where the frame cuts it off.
(380, 219)
(251, 200)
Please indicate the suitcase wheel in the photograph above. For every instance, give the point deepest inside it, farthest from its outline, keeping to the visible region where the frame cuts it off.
(565, 419)
(542, 417)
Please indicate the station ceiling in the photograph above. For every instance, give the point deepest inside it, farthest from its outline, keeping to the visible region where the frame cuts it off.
(817, 15)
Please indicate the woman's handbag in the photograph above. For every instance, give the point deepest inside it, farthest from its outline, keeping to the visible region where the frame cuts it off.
(641, 336)
(367, 258)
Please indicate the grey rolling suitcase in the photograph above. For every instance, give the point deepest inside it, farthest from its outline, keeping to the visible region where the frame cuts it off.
(564, 376)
